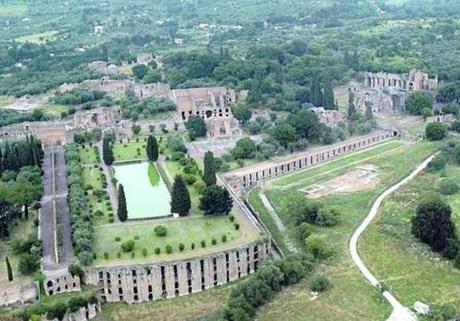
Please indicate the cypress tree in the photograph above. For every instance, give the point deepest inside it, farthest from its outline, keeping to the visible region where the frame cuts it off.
(180, 197)
(316, 94)
(351, 105)
(8, 268)
(209, 174)
(329, 101)
(122, 211)
(152, 148)
(107, 152)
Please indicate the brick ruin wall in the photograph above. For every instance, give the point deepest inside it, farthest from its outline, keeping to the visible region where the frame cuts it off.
(149, 282)
(246, 178)
(83, 314)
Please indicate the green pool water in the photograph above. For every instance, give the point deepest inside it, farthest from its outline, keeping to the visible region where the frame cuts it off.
(143, 199)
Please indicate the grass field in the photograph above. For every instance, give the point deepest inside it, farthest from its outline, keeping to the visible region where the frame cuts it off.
(5, 100)
(186, 231)
(351, 297)
(190, 307)
(414, 272)
(89, 155)
(92, 176)
(154, 176)
(130, 151)
(38, 38)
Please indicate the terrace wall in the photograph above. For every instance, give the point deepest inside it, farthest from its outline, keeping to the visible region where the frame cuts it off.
(140, 283)
(253, 175)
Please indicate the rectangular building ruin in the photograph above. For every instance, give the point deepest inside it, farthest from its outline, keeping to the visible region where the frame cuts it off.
(414, 80)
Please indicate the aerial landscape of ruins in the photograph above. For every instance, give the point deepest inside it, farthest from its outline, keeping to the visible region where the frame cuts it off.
(229, 160)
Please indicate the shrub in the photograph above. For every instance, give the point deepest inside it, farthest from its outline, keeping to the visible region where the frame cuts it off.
(452, 249)
(237, 226)
(117, 239)
(177, 156)
(448, 187)
(118, 254)
(224, 238)
(144, 252)
(106, 255)
(200, 187)
(161, 231)
(213, 241)
(231, 218)
(168, 249)
(75, 269)
(303, 231)
(99, 213)
(203, 243)
(192, 246)
(435, 131)
(318, 247)
(28, 263)
(136, 237)
(133, 254)
(157, 251)
(190, 179)
(438, 163)
(457, 261)
(181, 247)
(128, 246)
(319, 283)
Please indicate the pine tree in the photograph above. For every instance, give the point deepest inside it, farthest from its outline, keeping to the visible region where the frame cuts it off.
(180, 197)
(329, 101)
(209, 174)
(107, 152)
(316, 94)
(152, 148)
(122, 210)
(8, 268)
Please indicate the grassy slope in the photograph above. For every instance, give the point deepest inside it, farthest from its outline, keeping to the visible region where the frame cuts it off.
(154, 176)
(414, 272)
(351, 297)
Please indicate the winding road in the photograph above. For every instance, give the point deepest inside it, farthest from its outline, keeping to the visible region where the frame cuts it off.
(400, 313)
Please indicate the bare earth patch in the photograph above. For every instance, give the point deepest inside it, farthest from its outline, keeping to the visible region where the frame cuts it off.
(357, 179)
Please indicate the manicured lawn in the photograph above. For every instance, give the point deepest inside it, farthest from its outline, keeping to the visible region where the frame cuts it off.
(186, 231)
(89, 155)
(154, 176)
(406, 266)
(130, 151)
(92, 176)
(100, 204)
(351, 297)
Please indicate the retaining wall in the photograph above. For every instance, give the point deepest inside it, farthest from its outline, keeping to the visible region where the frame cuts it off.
(140, 283)
(254, 174)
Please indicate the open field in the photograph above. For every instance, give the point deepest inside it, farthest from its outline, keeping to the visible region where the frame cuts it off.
(186, 231)
(92, 177)
(410, 270)
(130, 151)
(351, 297)
(5, 100)
(38, 38)
(190, 307)
(89, 155)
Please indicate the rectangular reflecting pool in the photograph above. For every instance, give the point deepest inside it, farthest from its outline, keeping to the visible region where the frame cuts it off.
(147, 195)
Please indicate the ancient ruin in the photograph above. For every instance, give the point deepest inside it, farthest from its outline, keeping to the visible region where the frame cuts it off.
(414, 80)
(329, 117)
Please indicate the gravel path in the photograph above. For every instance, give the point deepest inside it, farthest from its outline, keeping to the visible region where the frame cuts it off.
(54, 213)
(279, 224)
(400, 313)
(110, 188)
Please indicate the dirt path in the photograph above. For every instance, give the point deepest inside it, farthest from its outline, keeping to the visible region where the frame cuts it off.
(279, 224)
(400, 313)
(110, 188)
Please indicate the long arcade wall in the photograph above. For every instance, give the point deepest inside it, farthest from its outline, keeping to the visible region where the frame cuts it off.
(140, 283)
(252, 175)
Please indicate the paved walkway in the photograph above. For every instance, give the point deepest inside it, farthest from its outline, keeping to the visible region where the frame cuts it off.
(400, 313)
(279, 224)
(110, 188)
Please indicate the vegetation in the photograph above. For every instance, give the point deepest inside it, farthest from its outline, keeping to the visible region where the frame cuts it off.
(435, 131)
(180, 197)
(216, 200)
(122, 209)
(209, 172)
(152, 148)
(196, 127)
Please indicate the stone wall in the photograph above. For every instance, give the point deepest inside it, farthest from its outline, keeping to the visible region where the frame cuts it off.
(253, 175)
(85, 313)
(13, 292)
(62, 284)
(414, 80)
(140, 283)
